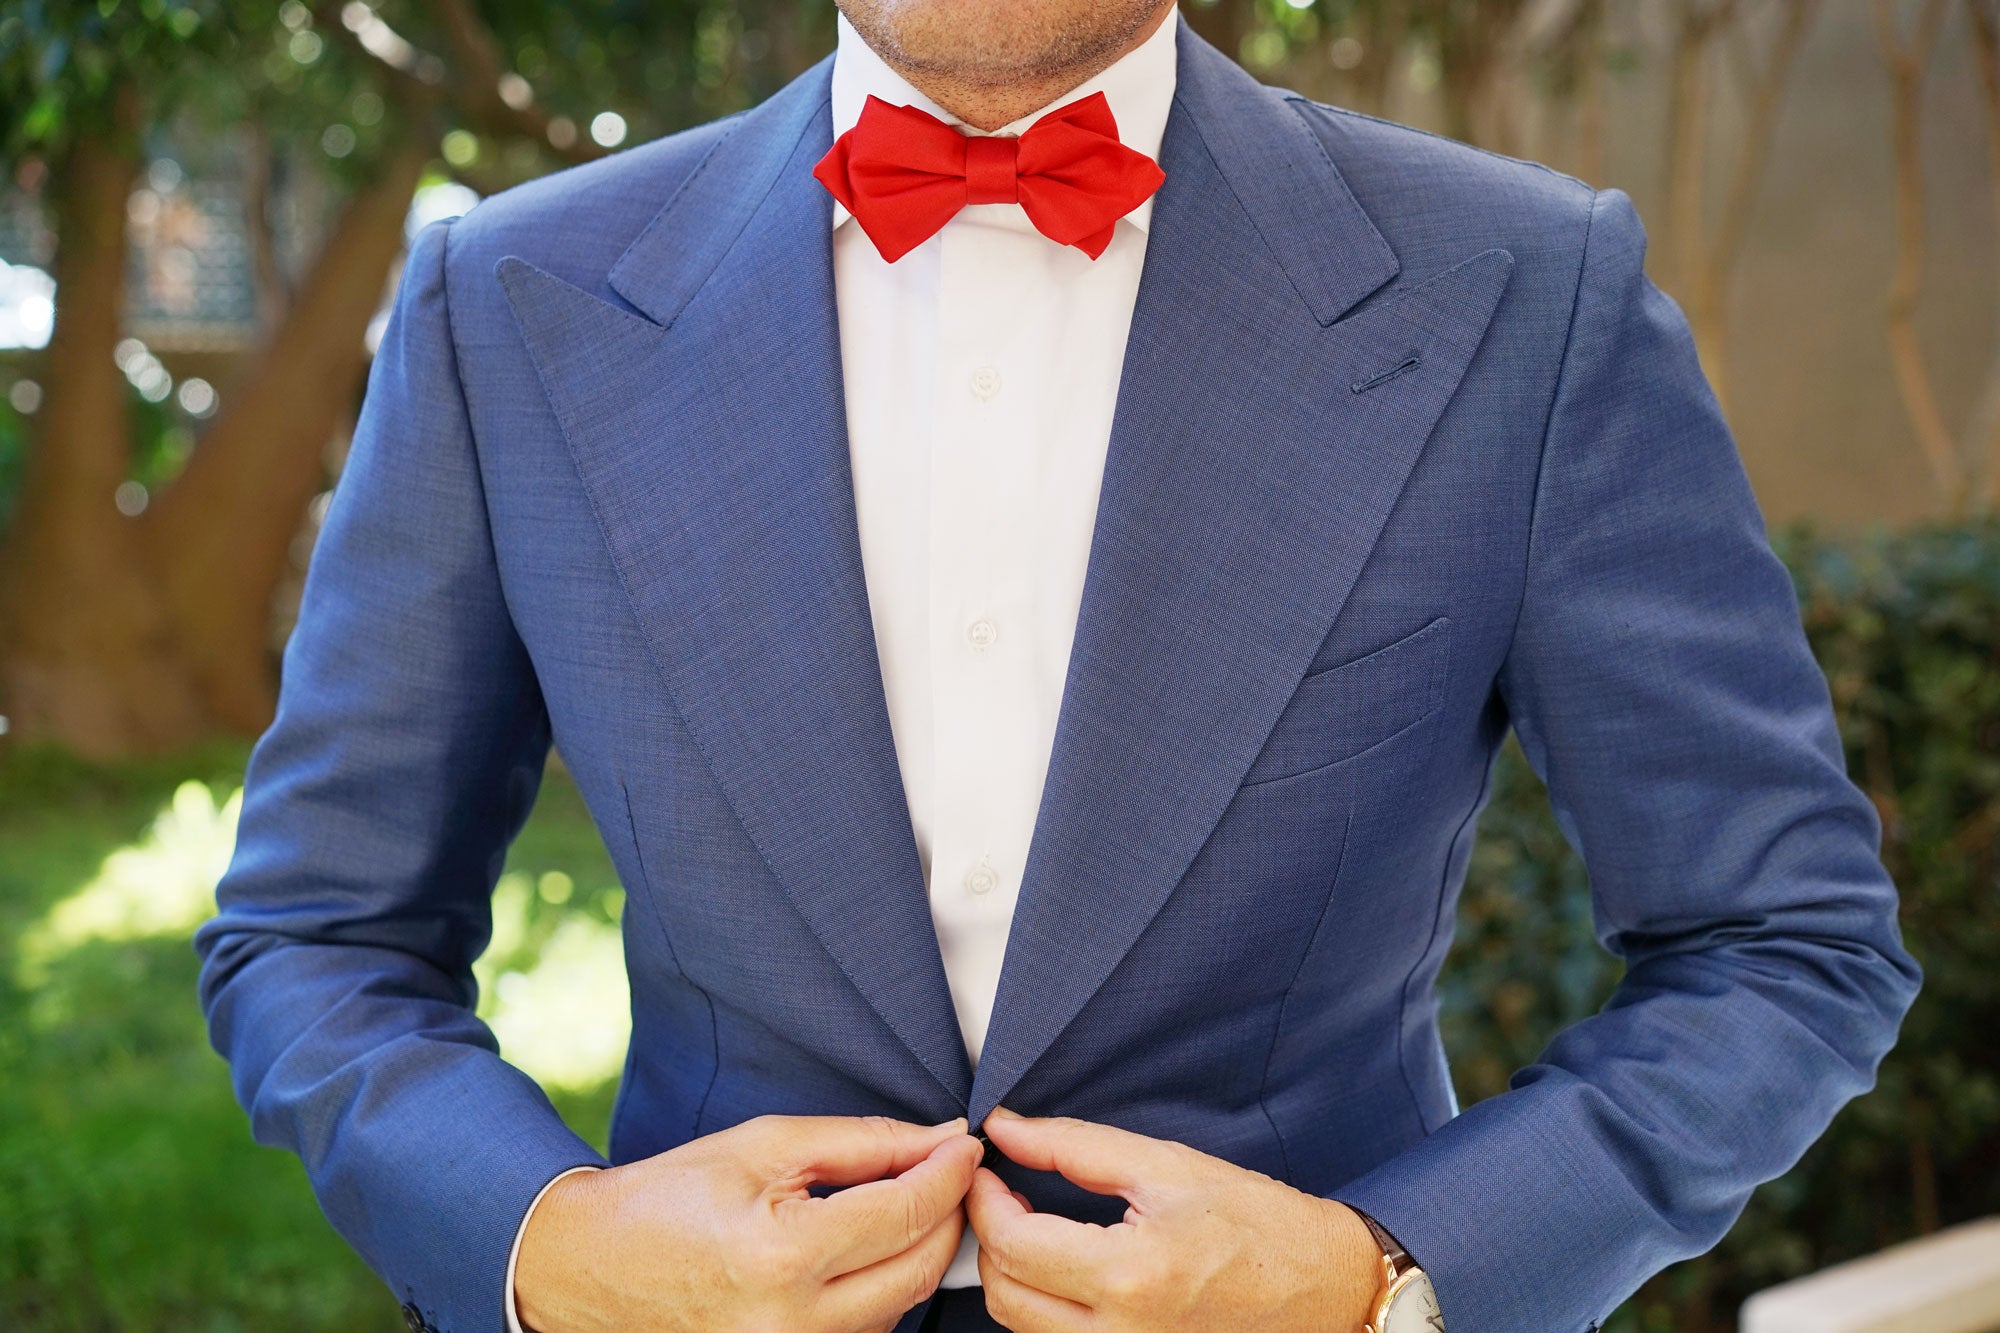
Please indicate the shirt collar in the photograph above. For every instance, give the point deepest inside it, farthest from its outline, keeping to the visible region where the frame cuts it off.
(1139, 86)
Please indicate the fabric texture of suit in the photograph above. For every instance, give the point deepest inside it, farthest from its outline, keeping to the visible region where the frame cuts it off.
(1407, 451)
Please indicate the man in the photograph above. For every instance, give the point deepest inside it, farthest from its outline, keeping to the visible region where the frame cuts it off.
(1029, 542)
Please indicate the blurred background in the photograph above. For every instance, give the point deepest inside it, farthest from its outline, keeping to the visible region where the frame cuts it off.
(202, 214)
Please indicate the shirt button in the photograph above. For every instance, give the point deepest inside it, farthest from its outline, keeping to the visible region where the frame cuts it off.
(985, 383)
(981, 633)
(982, 878)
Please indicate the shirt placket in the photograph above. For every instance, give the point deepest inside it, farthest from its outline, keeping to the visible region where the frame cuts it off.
(982, 646)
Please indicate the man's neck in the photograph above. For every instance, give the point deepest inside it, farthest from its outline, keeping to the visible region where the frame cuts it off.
(988, 106)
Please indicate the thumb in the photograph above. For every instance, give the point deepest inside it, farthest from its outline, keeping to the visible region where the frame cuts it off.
(1101, 1158)
(846, 1150)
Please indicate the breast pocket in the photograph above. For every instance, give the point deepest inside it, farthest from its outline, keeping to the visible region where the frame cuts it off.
(1339, 711)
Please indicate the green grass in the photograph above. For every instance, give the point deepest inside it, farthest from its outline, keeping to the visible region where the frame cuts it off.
(131, 1193)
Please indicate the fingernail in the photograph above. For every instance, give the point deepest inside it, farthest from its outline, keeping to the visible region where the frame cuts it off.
(946, 1124)
(1004, 1113)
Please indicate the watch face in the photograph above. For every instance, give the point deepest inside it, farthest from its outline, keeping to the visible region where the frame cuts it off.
(1413, 1306)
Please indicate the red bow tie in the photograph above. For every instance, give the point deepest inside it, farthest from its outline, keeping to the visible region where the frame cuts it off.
(903, 173)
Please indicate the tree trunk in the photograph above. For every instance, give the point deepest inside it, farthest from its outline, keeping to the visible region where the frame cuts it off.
(1907, 65)
(86, 651)
(1462, 84)
(1591, 113)
(1384, 36)
(1983, 432)
(122, 636)
(1712, 259)
(1686, 149)
(221, 532)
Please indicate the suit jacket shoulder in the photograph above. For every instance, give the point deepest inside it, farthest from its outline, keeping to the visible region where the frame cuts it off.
(1436, 200)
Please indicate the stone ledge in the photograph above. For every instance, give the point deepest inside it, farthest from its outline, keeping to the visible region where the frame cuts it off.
(1946, 1283)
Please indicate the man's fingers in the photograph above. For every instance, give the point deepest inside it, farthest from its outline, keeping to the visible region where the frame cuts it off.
(881, 1293)
(799, 1150)
(1047, 1252)
(1100, 1158)
(991, 1206)
(867, 1223)
(1026, 1309)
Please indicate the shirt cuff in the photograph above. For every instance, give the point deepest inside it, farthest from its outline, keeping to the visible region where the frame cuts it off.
(513, 1257)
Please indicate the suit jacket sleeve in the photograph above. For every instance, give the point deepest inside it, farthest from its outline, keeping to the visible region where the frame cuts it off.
(406, 752)
(1660, 683)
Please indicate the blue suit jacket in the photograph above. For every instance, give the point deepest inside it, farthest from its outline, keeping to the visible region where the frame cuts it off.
(1407, 451)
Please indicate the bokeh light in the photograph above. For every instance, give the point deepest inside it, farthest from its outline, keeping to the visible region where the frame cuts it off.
(27, 306)
(608, 128)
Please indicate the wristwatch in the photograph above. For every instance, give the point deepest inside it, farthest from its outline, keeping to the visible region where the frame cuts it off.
(1408, 1303)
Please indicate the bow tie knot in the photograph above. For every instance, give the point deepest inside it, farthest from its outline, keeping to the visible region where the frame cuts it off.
(992, 169)
(903, 174)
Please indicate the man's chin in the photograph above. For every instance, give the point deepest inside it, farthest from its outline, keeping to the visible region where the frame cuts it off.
(993, 43)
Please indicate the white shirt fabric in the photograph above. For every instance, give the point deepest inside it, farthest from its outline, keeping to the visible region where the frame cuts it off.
(980, 373)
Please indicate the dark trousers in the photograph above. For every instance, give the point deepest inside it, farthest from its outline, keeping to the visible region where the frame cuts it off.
(958, 1310)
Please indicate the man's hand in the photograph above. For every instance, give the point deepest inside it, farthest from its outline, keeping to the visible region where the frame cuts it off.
(721, 1233)
(1204, 1245)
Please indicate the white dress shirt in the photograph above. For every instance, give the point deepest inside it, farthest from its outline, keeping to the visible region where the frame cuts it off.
(980, 373)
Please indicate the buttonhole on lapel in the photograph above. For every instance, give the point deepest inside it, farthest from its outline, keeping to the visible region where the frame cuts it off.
(1403, 367)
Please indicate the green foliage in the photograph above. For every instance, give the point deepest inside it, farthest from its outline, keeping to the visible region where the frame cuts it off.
(131, 1194)
(191, 76)
(662, 64)
(1907, 627)
(63, 63)
(303, 78)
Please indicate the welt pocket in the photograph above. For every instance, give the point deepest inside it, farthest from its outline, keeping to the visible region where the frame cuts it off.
(1341, 710)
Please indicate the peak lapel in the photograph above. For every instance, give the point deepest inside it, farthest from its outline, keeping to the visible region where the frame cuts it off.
(711, 437)
(1246, 483)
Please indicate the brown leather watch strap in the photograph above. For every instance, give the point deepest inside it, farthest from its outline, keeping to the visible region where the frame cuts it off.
(1392, 1249)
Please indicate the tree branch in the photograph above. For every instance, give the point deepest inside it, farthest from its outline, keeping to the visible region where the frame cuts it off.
(415, 79)
(1766, 98)
(478, 87)
(492, 96)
